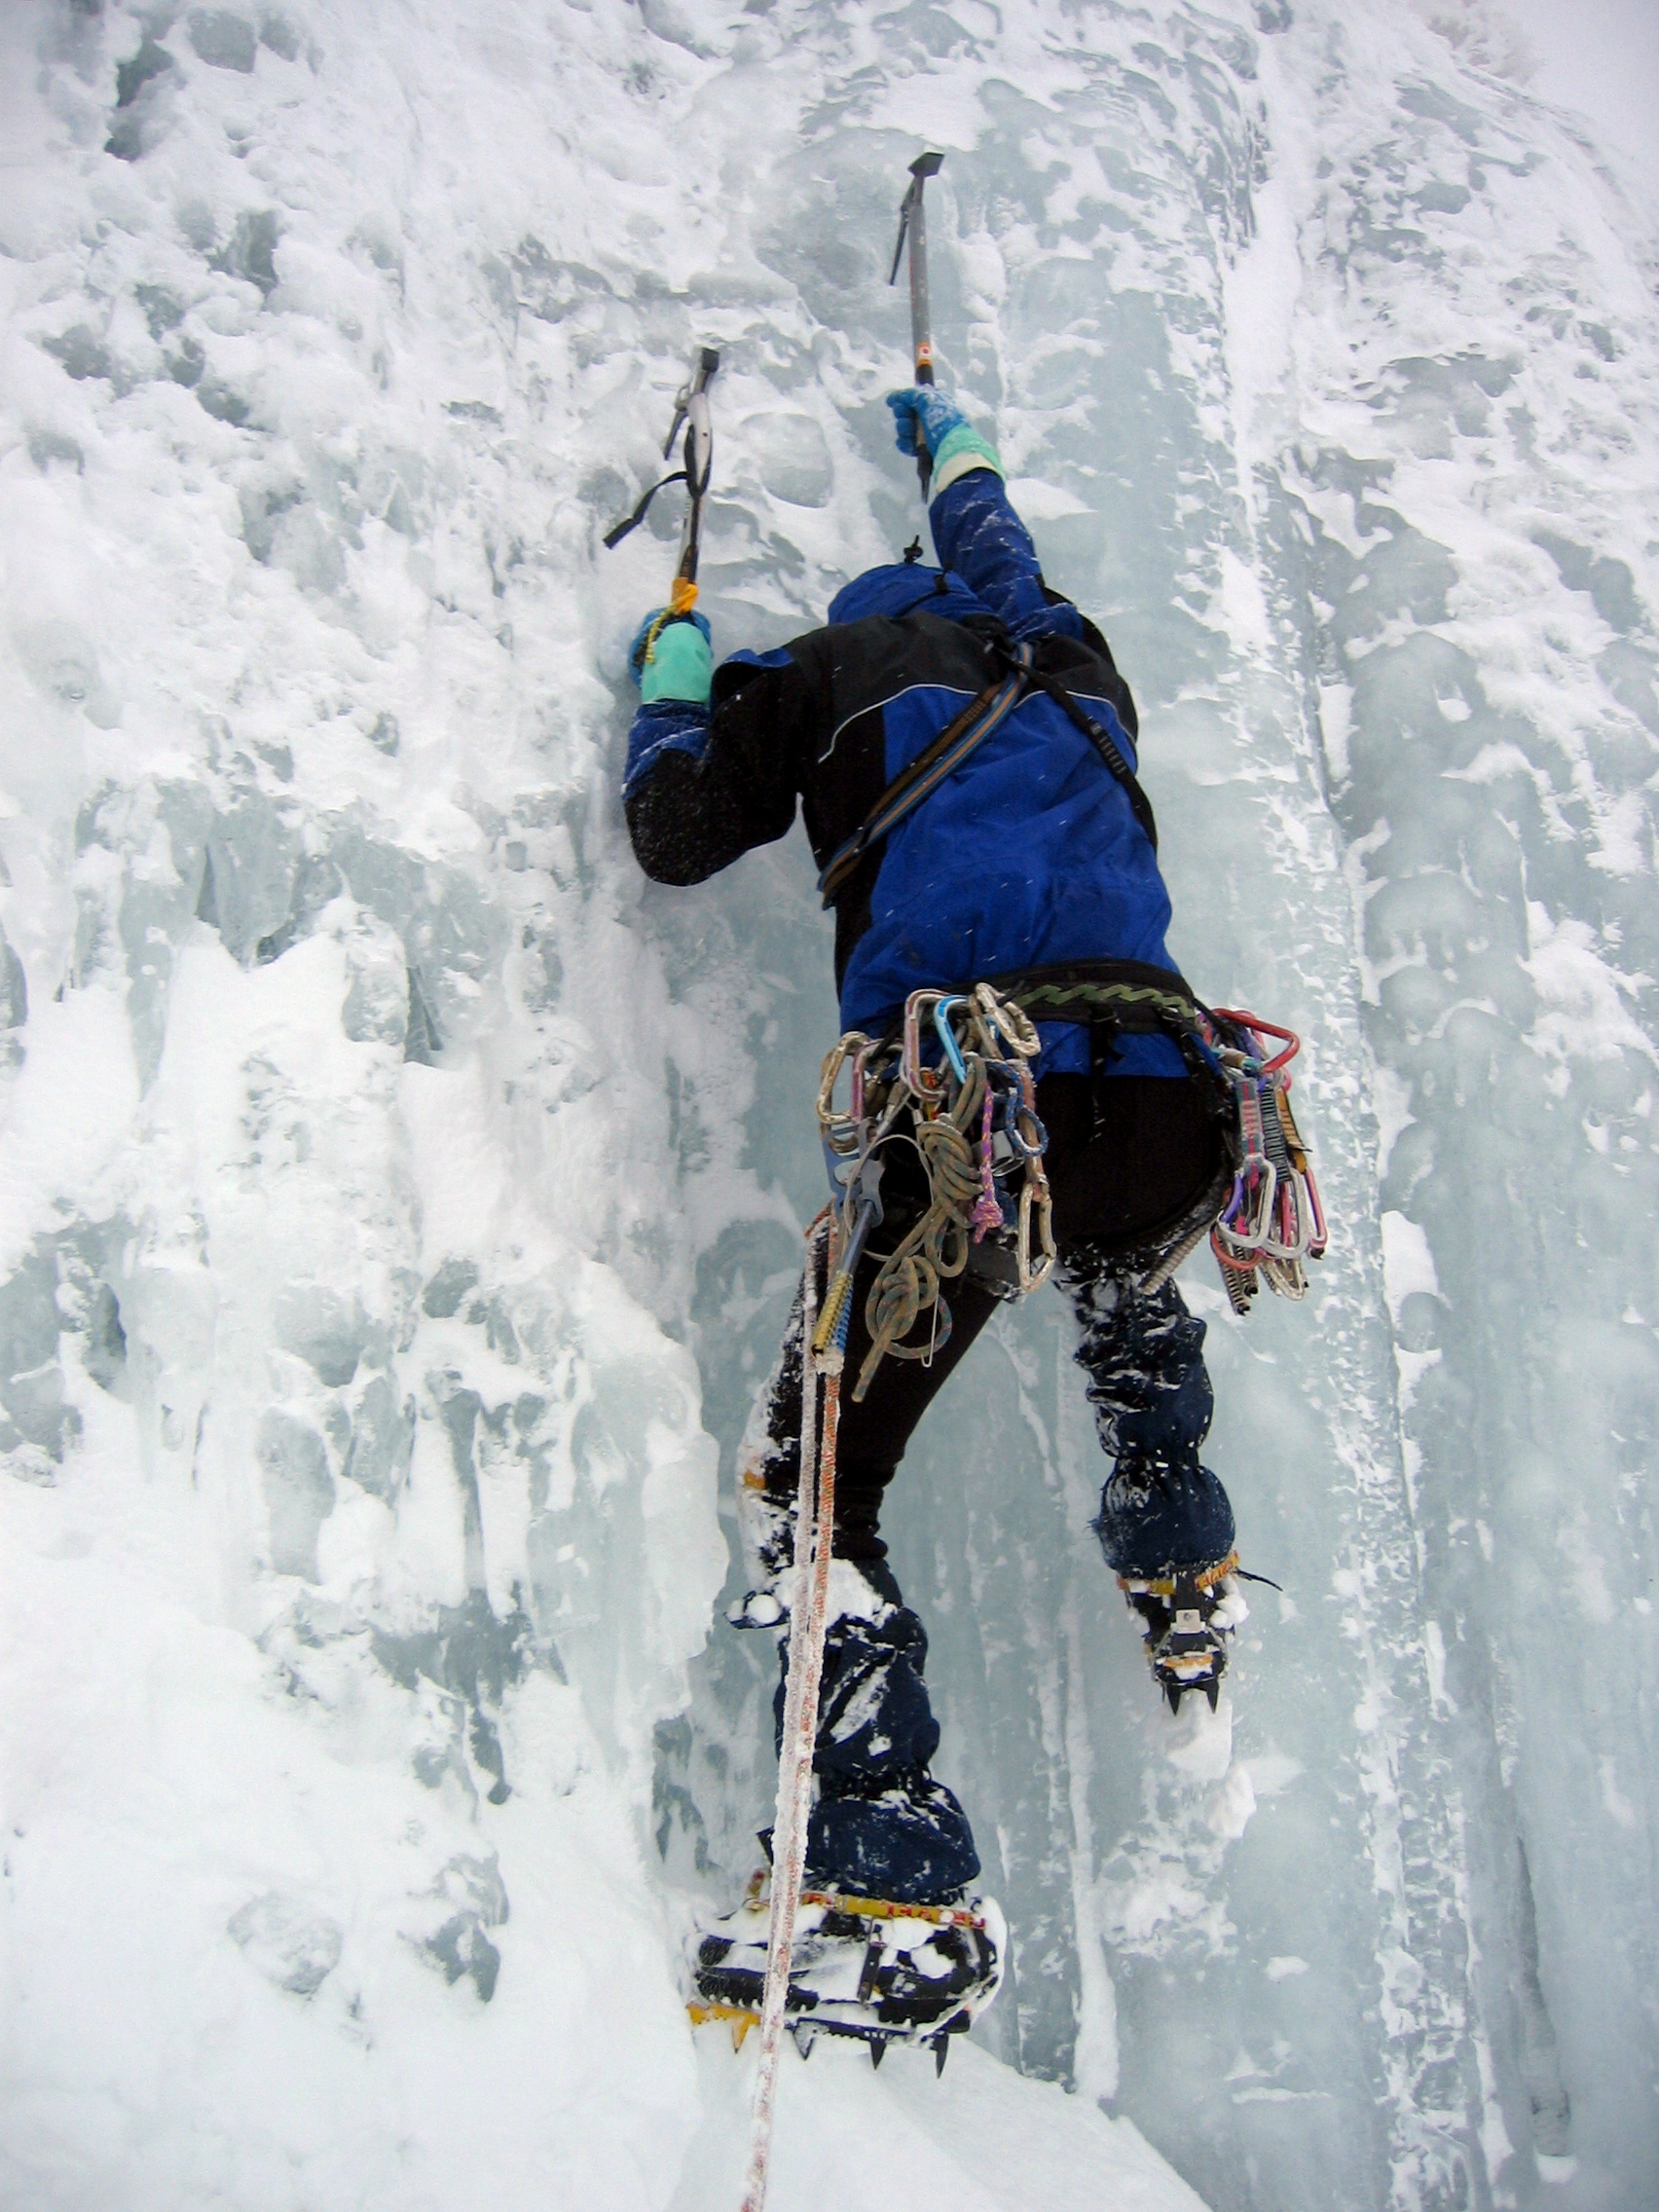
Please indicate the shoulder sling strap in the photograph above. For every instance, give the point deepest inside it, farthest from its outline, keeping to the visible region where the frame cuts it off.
(961, 737)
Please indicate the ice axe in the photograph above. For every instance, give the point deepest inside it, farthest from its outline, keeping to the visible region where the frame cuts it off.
(914, 225)
(690, 407)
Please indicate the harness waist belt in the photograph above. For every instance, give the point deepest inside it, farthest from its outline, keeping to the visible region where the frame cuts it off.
(1130, 994)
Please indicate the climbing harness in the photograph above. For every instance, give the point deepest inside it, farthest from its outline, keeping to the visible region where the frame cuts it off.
(690, 407)
(1266, 1217)
(914, 225)
(955, 1084)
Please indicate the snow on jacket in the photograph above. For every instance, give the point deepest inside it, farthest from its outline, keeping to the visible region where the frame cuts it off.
(1026, 855)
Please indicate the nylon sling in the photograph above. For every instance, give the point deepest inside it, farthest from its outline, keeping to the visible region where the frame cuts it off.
(963, 736)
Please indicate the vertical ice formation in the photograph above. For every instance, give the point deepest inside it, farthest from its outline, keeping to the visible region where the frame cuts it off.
(360, 1520)
(1323, 359)
(393, 1187)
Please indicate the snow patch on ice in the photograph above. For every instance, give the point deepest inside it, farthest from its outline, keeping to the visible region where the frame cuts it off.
(1584, 998)
(1408, 1264)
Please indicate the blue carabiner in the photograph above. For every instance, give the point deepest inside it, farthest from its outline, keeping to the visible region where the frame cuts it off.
(951, 1052)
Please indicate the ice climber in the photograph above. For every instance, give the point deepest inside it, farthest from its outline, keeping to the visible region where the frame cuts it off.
(1033, 856)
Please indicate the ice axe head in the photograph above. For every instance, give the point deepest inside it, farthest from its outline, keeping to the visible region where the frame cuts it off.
(921, 168)
(697, 383)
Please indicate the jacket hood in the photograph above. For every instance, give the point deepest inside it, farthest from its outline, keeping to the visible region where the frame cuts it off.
(906, 587)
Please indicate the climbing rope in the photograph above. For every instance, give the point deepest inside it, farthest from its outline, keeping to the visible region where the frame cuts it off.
(809, 1614)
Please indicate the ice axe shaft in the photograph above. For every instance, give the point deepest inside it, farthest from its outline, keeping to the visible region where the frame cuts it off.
(690, 407)
(914, 225)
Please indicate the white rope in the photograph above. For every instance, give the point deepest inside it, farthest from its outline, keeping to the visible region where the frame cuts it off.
(814, 1522)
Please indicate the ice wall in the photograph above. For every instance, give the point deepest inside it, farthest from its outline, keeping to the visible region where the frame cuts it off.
(400, 1200)
(363, 1130)
(360, 1520)
(1322, 358)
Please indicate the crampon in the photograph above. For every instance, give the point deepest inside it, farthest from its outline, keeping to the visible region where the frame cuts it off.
(862, 1967)
(1189, 1617)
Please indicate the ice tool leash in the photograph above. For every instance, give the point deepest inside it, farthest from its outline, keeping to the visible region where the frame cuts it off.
(691, 408)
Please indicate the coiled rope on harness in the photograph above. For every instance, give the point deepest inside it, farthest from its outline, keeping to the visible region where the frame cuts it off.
(956, 1082)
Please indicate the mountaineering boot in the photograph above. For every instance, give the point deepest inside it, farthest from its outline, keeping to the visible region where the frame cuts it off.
(1188, 1615)
(880, 1825)
(864, 1968)
(891, 1944)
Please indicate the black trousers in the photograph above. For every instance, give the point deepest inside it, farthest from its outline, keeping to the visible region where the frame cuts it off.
(1126, 1153)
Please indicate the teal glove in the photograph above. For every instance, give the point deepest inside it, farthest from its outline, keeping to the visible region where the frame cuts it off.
(924, 415)
(682, 663)
(927, 414)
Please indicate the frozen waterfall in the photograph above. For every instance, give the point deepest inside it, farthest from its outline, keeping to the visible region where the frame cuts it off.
(399, 1199)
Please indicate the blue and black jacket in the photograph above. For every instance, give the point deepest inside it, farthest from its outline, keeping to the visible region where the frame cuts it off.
(1028, 855)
